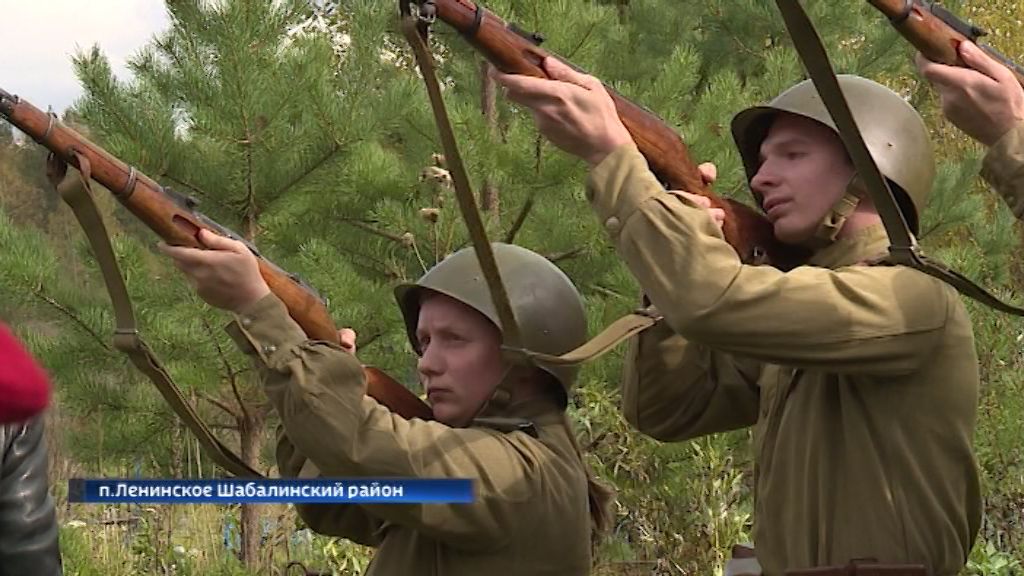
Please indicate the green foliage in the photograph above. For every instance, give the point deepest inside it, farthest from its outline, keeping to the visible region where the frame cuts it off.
(309, 132)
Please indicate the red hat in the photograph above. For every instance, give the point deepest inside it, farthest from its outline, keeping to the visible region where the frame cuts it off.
(24, 385)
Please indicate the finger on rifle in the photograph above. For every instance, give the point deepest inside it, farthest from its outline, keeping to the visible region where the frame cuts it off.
(942, 75)
(976, 58)
(558, 70)
(702, 201)
(708, 172)
(215, 241)
(519, 85)
(347, 339)
(176, 252)
(185, 257)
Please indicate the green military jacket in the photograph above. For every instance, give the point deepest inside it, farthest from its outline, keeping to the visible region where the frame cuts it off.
(861, 381)
(1003, 168)
(530, 515)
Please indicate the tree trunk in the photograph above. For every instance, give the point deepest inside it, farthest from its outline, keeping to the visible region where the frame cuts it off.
(250, 439)
(489, 201)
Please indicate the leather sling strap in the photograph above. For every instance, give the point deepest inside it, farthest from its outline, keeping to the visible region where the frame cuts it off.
(77, 193)
(904, 249)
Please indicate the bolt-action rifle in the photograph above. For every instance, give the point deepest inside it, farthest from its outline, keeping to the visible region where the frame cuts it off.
(514, 51)
(174, 218)
(937, 33)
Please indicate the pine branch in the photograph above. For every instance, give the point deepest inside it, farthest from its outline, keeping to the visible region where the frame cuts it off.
(220, 350)
(355, 223)
(510, 236)
(335, 149)
(232, 380)
(607, 291)
(74, 318)
(421, 132)
(369, 340)
(238, 398)
(218, 403)
(558, 256)
(582, 41)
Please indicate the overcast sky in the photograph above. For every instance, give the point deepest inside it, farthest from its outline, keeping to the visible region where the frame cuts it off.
(38, 38)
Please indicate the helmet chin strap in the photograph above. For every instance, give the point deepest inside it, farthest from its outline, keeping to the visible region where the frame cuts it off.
(502, 395)
(830, 226)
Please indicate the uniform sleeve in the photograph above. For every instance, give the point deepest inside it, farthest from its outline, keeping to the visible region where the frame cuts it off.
(350, 521)
(675, 390)
(859, 319)
(319, 392)
(1003, 169)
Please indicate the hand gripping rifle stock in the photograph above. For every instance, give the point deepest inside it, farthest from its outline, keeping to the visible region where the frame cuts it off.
(514, 51)
(173, 217)
(937, 32)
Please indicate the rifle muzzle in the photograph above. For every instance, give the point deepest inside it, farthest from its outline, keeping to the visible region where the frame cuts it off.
(7, 102)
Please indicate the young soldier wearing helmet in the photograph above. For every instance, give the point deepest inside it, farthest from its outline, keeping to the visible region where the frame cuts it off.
(504, 425)
(861, 380)
(986, 101)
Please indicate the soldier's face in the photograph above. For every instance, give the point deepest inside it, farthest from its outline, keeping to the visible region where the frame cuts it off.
(461, 361)
(804, 172)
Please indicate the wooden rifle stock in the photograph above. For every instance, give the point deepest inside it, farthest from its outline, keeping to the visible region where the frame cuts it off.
(937, 32)
(173, 217)
(513, 51)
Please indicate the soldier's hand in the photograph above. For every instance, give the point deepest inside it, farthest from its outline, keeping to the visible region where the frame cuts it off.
(347, 340)
(708, 173)
(985, 101)
(226, 275)
(572, 110)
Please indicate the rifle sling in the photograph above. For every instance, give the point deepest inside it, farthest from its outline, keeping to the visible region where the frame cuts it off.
(903, 249)
(611, 336)
(415, 35)
(77, 193)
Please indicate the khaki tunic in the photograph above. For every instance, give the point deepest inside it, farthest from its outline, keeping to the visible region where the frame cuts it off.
(1003, 168)
(861, 381)
(530, 514)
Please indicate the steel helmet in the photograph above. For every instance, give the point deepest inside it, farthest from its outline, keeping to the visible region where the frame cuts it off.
(546, 304)
(893, 131)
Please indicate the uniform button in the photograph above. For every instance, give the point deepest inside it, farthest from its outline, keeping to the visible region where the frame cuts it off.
(269, 348)
(612, 224)
(246, 322)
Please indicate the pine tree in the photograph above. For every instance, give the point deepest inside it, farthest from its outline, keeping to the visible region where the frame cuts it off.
(308, 130)
(231, 108)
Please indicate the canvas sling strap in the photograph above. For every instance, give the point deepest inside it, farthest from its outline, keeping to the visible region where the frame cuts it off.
(415, 24)
(904, 249)
(77, 193)
(416, 20)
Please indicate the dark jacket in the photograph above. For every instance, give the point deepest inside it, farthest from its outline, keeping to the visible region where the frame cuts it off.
(28, 521)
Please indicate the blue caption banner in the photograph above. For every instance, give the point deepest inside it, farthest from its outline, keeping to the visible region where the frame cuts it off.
(273, 490)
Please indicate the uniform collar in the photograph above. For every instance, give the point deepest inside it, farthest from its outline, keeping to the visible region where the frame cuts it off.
(540, 411)
(861, 246)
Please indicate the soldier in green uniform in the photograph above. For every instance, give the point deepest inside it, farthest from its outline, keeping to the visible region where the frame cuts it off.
(860, 379)
(536, 508)
(986, 101)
